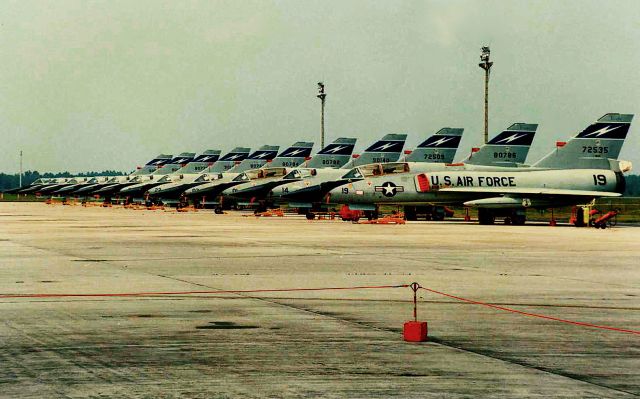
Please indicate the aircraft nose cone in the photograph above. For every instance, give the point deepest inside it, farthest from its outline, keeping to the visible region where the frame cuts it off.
(191, 191)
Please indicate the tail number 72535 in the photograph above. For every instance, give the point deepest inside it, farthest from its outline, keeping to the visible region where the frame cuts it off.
(595, 150)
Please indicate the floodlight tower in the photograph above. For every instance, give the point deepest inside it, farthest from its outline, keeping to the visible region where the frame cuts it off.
(486, 65)
(321, 95)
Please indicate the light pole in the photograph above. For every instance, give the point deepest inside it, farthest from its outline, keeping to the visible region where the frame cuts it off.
(486, 65)
(20, 177)
(322, 96)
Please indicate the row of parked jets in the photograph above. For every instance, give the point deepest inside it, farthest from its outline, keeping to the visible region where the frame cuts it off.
(493, 178)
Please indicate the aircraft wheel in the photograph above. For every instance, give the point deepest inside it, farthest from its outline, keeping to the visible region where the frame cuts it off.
(519, 220)
(437, 213)
(218, 211)
(370, 215)
(485, 216)
(310, 215)
(507, 220)
(410, 213)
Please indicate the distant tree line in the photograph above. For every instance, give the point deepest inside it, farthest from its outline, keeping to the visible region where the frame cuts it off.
(8, 181)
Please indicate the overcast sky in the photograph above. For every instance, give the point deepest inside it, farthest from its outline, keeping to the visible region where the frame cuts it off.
(93, 85)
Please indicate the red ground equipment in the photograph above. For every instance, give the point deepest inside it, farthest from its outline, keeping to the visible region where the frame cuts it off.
(347, 214)
(608, 218)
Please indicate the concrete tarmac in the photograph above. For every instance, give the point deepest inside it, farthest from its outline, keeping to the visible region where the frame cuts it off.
(332, 344)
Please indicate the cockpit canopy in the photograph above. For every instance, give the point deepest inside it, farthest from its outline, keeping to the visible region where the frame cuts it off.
(377, 169)
(260, 174)
(298, 174)
(208, 177)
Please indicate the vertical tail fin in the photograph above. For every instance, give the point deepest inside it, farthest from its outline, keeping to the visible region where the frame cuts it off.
(201, 162)
(334, 155)
(176, 163)
(439, 148)
(591, 148)
(257, 159)
(294, 155)
(387, 149)
(509, 148)
(153, 165)
(230, 159)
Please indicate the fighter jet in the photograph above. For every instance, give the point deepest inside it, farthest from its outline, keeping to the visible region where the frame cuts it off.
(211, 185)
(305, 185)
(309, 191)
(77, 183)
(171, 192)
(163, 174)
(508, 148)
(259, 183)
(85, 185)
(578, 171)
(57, 184)
(40, 184)
(292, 157)
(115, 184)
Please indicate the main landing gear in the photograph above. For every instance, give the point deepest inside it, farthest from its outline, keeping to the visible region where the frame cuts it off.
(516, 217)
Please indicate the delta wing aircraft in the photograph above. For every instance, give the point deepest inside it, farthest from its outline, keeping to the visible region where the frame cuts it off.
(115, 184)
(575, 172)
(81, 183)
(508, 149)
(171, 192)
(311, 193)
(276, 168)
(43, 184)
(33, 187)
(84, 184)
(60, 184)
(144, 182)
(305, 183)
(259, 183)
(212, 185)
(201, 164)
(326, 165)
